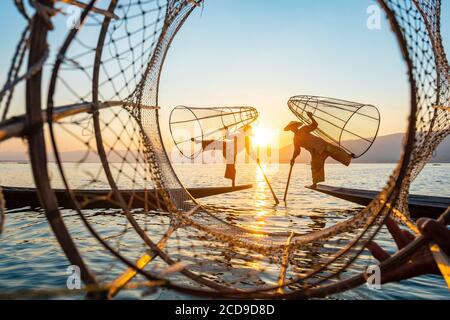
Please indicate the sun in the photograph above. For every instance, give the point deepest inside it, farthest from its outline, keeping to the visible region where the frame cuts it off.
(262, 136)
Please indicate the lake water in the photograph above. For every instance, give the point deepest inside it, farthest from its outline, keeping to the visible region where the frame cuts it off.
(30, 258)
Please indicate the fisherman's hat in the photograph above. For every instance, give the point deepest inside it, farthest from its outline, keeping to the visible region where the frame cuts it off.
(293, 125)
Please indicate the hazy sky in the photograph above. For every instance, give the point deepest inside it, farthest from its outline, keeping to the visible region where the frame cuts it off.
(260, 53)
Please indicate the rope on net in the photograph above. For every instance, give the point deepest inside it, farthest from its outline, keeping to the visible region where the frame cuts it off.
(123, 149)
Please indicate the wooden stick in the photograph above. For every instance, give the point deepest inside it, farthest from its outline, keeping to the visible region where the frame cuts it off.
(128, 275)
(81, 5)
(442, 261)
(268, 182)
(444, 108)
(288, 182)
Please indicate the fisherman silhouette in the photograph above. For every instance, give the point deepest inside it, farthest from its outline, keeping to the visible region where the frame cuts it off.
(319, 149)
(231, 145)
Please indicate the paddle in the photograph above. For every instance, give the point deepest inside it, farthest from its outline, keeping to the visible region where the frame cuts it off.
(288, 182)
(268, 182)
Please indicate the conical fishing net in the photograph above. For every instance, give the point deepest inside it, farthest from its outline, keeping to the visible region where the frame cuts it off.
(348, 125)
(101, 85)
(189, 126)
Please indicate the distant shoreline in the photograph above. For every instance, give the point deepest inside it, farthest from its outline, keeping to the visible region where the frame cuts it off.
(386, 149)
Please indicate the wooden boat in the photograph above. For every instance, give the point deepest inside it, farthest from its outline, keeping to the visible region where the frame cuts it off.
(419, 205)
(101, 199)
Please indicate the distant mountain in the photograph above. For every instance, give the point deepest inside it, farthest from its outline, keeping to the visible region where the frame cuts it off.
(386, 149)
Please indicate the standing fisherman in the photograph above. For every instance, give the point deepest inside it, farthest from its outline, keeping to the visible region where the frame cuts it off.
(230, 148)
(319, 149)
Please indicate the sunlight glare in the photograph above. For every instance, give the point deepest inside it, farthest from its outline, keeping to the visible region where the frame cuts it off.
(262, 137)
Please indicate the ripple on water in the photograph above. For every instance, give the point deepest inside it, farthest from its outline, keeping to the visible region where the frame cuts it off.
(30, 257)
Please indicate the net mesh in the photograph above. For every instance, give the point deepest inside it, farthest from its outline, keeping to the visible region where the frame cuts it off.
(102, 98)
(420, 28)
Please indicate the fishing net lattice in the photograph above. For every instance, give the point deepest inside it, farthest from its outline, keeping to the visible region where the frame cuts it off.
(101, 87)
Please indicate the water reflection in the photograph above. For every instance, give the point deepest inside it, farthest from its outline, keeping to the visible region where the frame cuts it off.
(261, 203)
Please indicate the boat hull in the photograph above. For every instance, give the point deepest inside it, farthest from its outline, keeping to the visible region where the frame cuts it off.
(16, 198)
(420, 206)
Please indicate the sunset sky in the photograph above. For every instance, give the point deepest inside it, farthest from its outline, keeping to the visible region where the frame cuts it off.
(260, 53)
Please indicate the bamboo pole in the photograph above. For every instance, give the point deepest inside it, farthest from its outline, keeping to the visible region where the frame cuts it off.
(268, 182)
(288, 182)
(17, 126)
(81, 5)
(128, 275)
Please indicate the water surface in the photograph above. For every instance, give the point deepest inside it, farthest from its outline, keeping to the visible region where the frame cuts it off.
(30, 258)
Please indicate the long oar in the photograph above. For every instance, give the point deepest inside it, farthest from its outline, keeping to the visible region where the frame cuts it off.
(288, 182)
(268, 182)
